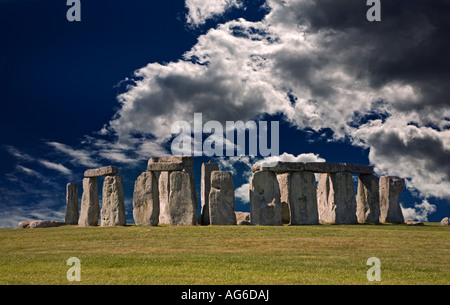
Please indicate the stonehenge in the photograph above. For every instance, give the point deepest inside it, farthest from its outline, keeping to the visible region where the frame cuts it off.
(280, 193)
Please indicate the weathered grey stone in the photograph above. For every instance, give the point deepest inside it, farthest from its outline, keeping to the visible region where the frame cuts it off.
(411, 222)
(207, 168)
(368, 199)
(390, 190)
(101, 172)
(113, 202)
(242, 218)
(90, 208)
(280, 167)
(146, 200)
(298, 190)
(221, 199)
(72, 212)
(164, 190)
(324, 167)
(36, 224)
(315, 167)
(332, 168)
(24, 224)
(182, 200)
(265, 204)
(283, 182)
(358, 169)
(174, 163)
(445, 221)
(336, 199)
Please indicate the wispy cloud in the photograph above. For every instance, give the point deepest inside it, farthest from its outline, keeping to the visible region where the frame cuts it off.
(79, 157)
(57, 167)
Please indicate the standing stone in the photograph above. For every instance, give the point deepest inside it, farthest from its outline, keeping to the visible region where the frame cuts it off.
(221, 199)
(299, 191)
(72, 212)
(164, 190)
(207, 168)
(390, 189)
(445, 221)
(146, 200)
(265, 204)
(182, 201)
(90, 208)
(283, 182)
(368, 199)
(113, 205)
(336, 199)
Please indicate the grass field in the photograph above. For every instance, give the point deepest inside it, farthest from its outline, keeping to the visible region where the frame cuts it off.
(227, 255)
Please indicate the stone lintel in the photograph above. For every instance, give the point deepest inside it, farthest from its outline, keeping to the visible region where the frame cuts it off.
(174, 163)
(102, 171)
(315, 167)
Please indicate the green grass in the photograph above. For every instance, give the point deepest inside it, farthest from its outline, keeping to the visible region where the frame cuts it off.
(227, 255)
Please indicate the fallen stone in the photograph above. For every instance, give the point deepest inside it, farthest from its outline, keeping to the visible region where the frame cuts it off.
(298, 189)
(101, 172)
(205, 188)
(390, 190)
(411, 222)
(146, 200)
(445, 221)
(24, 224)
(72, 212)
(368, 199)
(221, 199)
(90, 208)
(182, 200)
(113, 204)
(336, 199)
(265, 204)
(242, 218)
(36, 224)
(174, 163)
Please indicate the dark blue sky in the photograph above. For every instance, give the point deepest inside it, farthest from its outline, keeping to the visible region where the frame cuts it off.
(60, 80)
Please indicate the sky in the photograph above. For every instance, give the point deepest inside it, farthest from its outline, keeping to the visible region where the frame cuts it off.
(107, 89)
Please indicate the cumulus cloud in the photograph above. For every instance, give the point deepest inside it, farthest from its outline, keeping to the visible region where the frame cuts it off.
(420, 212)
(321, 65)
(201, 10)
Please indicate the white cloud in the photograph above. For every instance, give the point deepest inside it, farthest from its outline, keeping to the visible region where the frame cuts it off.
(420, 212)
(55, 166)
(202, 10)
(243, 193)
(79, 157)
(28, 171)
